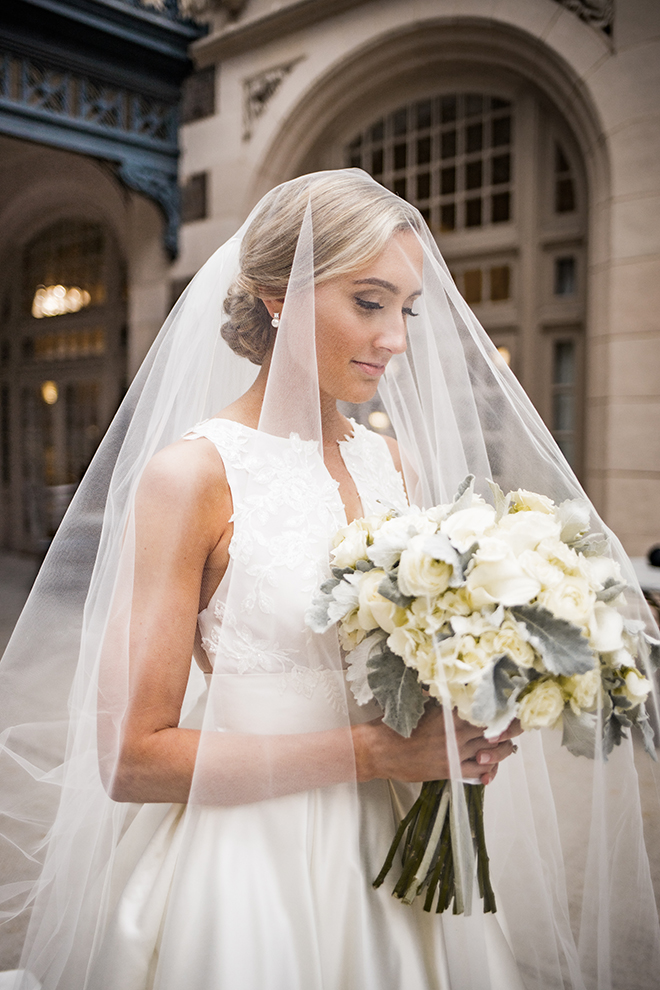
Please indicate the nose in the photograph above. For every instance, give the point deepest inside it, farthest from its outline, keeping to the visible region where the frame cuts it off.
(394, 336)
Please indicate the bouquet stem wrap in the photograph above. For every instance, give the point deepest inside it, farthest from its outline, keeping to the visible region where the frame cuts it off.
(429, 833)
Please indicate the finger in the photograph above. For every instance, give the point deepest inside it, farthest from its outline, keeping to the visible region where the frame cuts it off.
(486, 757)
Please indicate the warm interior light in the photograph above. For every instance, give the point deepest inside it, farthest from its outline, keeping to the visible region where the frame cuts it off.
(55, 300)
(505, 354)
(379, 420)
(49, 393)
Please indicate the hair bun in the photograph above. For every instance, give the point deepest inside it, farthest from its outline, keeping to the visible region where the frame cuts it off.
(247, 329)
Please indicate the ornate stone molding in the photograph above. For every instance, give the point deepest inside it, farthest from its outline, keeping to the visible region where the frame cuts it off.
(259, 90)
(598, 13)
(160, 186)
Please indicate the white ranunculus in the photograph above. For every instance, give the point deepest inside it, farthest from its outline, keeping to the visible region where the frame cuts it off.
(542, 706)
(599, 570)
(437, 513)
(637, 687)
(375, 611)
(350, 545)
(572, 600)
(350, 631)
(394, 535)
(583, 690)
(561, 555)
(421, 574)
(606, 628)
(525, 501)
(467, 526)
(547, 574)
(525, 530)
(497, 578)
(510, 639)
(416, 649)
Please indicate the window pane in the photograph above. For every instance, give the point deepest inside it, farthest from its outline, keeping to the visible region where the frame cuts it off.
(423, 114)
(447, 109)
(500, 278)
(400, 156)
(473, 175)
(564, 363)
(424, 151)
(564, 196)
(500, 169)
(377, 161)
(447, 181)
(378, 131)
(563, 416)
(561, 164)
(448, 144)
(474, 138)
(447, 218)
(400, 121)
(423, 185)
(474, 104)
(564, 276)
(501, 131)
(400, 187)
(500, 207)
(473, 213)
(472, 285)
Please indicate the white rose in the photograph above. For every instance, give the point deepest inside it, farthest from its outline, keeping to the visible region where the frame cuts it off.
(583, 690)
(524, 501)
(350, 544)
(497, 577)
(542, 706)
(374, 611)
(561, 555)
(606, 628)
(525, 530)
(437, 513)
(350, 631)
(637, 687)
(394, 535)
(572, 600)
(421, 574)
(547, 574)
(466, 526)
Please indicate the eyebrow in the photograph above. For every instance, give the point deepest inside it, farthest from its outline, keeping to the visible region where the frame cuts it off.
(384, 285)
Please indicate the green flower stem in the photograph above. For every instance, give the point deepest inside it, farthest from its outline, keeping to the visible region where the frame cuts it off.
(430, 849)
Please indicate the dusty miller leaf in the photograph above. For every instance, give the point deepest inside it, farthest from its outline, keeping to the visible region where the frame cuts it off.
(653, 650)
(613, 733)
(643, 723)
(591, 545)
(357, 672)
(562, 646)
(389, 588)
(364, 565)
(611, 590)
(579, 736)
(502, 501)
(497, 691)
(464, 495)
(316, 616)
(396, 689)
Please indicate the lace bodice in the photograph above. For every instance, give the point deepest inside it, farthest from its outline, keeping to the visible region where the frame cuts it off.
(286, 510)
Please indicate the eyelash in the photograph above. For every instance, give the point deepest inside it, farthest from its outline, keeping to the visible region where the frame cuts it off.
(369, 305)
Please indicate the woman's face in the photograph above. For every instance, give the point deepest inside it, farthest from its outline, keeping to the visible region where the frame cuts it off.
(361, 320)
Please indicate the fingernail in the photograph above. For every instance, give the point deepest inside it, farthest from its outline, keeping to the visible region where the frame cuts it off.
(484, 758)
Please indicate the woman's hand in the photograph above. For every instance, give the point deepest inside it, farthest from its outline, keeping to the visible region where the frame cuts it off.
(382, 752)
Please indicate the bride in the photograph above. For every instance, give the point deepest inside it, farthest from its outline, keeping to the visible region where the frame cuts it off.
(219, 823)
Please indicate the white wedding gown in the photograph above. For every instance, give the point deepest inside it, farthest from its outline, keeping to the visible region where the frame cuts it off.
(277, 895)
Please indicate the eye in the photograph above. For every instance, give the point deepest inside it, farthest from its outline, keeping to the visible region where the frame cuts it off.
(408, 311)
(367, 303)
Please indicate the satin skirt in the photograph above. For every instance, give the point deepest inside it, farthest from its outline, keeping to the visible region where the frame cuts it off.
(278, 895)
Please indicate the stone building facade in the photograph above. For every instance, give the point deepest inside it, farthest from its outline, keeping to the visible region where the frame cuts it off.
(527, 131)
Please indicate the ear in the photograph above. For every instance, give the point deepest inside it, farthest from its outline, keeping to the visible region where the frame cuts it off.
(273, 305)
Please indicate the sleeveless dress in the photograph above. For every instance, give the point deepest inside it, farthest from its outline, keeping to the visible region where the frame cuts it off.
(276, 894)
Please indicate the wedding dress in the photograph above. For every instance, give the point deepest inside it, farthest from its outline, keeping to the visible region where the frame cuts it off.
(276, 895)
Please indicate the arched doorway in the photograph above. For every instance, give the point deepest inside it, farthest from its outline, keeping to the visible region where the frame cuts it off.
(63, 371)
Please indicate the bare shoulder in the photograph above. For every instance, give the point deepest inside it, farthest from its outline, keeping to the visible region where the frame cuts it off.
(186, 481)
(394, 451)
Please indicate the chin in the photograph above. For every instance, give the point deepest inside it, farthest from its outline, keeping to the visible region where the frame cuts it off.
(357, 394)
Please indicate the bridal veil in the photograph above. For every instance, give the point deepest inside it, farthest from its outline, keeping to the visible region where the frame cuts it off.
(565, 835)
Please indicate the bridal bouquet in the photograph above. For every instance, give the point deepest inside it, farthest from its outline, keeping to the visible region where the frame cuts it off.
(502, 611)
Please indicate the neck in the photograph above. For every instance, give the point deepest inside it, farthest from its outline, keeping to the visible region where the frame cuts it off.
(334, 425)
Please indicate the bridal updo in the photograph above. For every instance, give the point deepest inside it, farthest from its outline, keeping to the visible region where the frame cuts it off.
(353, 218)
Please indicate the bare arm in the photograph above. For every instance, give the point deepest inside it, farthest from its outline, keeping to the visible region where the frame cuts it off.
(183, 510)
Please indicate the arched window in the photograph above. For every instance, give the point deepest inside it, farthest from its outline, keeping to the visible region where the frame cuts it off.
(499, 181)
(62, 369)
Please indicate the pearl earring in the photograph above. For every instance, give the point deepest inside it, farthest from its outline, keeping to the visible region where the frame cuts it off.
(275, 322)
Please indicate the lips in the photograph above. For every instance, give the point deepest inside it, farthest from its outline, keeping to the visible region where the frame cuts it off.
(373, 370)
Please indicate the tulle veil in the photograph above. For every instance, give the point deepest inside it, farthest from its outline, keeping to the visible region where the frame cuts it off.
(572, 907)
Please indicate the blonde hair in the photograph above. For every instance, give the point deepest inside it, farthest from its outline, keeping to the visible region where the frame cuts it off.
(353, 218)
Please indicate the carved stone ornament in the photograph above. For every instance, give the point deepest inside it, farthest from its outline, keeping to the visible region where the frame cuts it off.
(598, 13)
(161, 187)
(259, 90)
